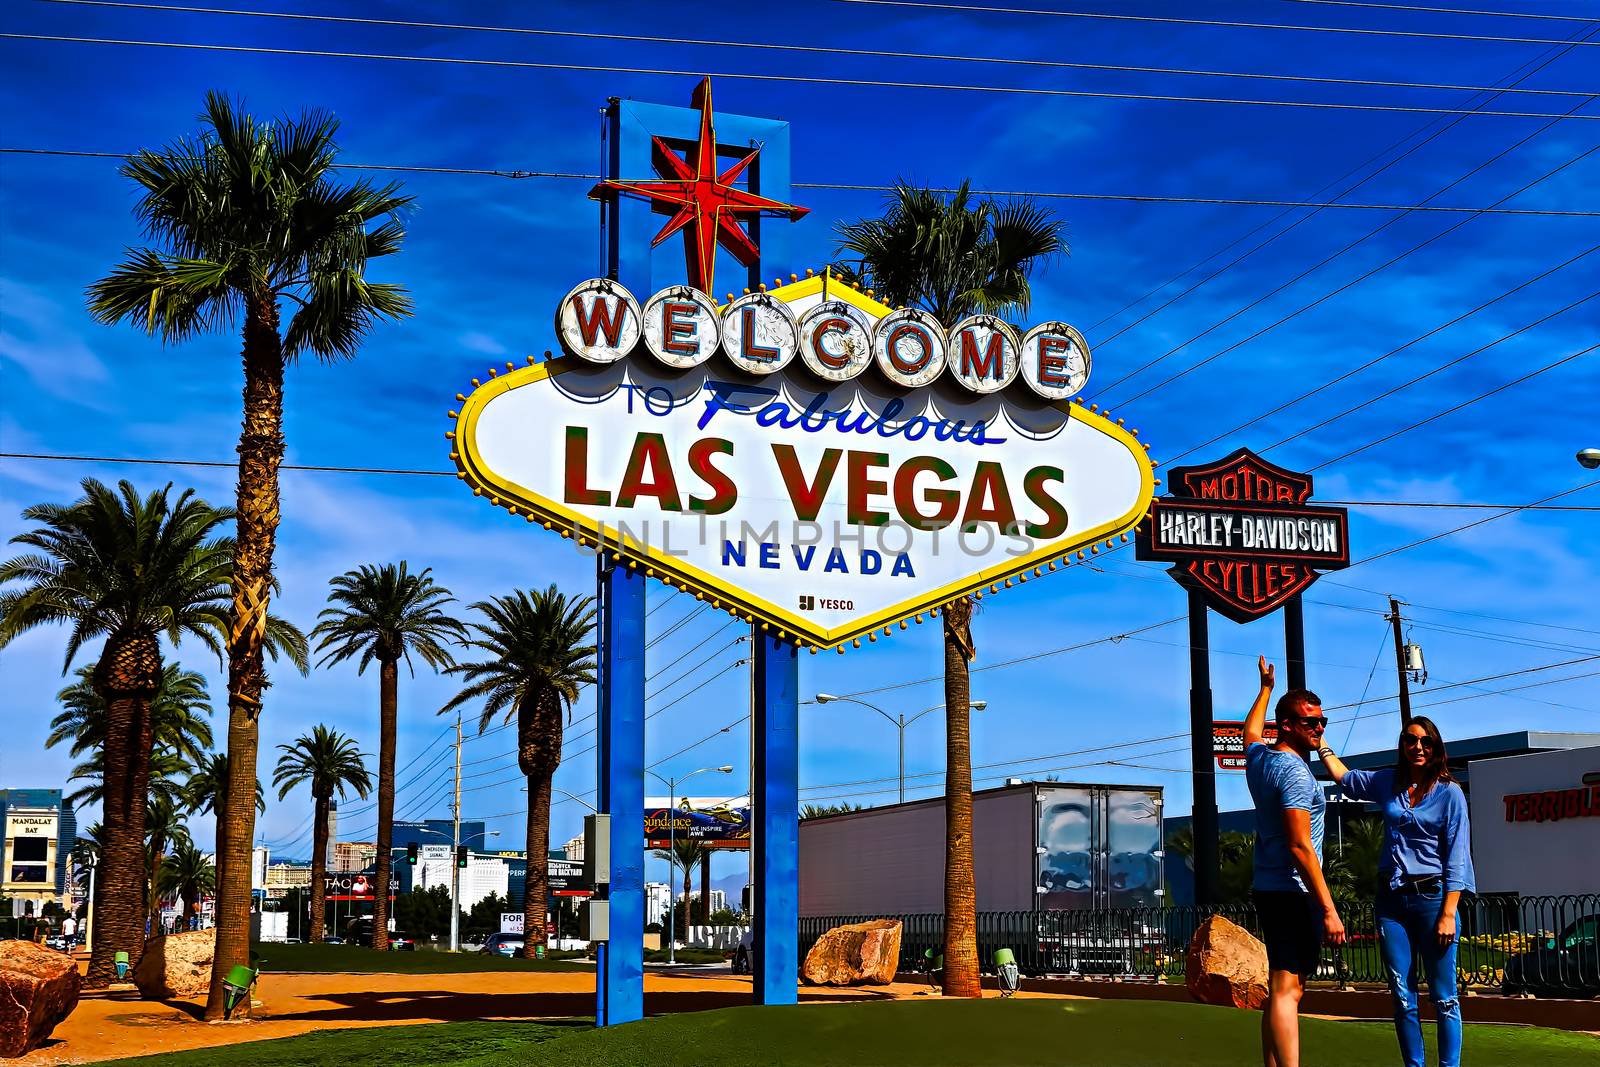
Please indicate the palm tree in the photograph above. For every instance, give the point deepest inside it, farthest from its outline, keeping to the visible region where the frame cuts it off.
(538, 660)
(180, 733)
(207, 791)
(133, 570)
(179, 711)
(189, 873)
(245, 214)
(684, 855)
(954, 257)
(330, 762)
(385, 614)
(163, 828)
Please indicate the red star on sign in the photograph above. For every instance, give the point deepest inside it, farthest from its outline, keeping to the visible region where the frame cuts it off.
(702, 203)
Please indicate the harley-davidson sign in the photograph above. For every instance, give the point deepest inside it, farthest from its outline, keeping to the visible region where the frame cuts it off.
(1240, 531)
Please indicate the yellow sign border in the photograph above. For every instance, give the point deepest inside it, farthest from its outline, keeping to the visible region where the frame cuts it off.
(502, 492)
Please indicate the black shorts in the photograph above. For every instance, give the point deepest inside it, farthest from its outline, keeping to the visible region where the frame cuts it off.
(1291, 925)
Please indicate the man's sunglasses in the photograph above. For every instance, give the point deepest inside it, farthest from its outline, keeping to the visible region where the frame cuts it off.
(1316, 722)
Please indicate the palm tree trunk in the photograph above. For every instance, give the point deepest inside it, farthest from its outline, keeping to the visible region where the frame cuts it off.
(216, 862)
(961, 978)
(127, 676)
(536, 901)
(319, 870)
(388, 725)
(680, 921)
(260, 453)
(705, 888)
(152, 879)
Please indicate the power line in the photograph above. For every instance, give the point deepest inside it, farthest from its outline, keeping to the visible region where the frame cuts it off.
(1442, 126)
(1379, 359)
(1445, 10)
(1137, 198)
(1342, 288)
(801, 79)
(55, 457)
(1367, 402)
(1364, 31)
(1457, 407)
(1480, 522)
(804, 48)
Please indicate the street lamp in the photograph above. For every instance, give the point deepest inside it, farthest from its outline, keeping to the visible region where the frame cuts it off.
(900, 721)
(1589, 457)
(672, 862)
(455, 882)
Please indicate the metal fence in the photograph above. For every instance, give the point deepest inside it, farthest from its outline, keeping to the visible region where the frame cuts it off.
(1542, 945)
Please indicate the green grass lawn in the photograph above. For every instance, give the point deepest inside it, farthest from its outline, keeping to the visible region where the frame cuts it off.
(358, 960)
(930, 1033)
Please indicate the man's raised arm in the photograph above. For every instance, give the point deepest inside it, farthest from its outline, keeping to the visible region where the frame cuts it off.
(1256, 721)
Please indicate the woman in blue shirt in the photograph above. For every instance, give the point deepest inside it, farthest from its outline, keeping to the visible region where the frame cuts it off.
(1426, 866)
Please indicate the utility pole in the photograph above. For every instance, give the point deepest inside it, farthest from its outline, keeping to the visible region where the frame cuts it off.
(1400, 663)
(455, 845)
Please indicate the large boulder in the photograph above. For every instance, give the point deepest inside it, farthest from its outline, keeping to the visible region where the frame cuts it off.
(177, 966)
(1226, 966)
(38, 988)
(858, 954)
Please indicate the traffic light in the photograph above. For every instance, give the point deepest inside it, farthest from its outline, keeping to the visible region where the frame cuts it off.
(461, 855)
(411, 853)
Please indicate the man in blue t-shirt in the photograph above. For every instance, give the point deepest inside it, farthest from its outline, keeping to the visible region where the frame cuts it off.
(1292, 901)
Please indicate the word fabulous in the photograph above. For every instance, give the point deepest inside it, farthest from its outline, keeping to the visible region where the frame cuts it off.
(835, 340)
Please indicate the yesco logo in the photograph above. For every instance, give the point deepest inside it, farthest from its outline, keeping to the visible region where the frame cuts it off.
(831, 331)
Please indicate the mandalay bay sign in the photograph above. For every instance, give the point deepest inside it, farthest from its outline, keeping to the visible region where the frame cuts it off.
(805, 457)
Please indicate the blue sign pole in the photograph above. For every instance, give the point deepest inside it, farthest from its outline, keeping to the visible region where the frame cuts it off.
(776, 722)
(619, 975)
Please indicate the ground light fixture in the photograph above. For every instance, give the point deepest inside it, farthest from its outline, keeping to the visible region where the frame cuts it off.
(1589, 457)
(1005, 965)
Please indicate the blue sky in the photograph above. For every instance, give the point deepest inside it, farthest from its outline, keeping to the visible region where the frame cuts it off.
(485, 260)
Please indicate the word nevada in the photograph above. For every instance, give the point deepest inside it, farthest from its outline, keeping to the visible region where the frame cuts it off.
(833, 331)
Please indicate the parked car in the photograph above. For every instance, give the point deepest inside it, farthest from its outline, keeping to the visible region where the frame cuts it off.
(333, 940)
(744, 957)
(507, 945)
(401, 942)
(1563, 966)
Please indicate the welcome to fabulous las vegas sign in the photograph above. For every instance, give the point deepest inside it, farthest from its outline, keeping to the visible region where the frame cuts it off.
(806, 457)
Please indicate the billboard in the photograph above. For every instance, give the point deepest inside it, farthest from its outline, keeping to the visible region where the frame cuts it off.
(358, 885)
(1227, 742)
(716, 822)
(567, 880)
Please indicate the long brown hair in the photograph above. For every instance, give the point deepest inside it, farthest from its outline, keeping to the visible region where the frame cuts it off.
(1437, 769)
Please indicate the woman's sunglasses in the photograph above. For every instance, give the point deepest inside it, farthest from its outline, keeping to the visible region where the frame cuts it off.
(1413, 739)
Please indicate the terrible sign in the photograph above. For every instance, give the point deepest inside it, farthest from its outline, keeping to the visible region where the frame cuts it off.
(1241, 533)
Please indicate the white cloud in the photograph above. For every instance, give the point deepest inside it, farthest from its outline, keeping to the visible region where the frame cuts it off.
(38, 338)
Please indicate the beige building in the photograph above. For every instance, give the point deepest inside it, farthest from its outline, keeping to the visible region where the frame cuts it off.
(350, 856)
(282, 877)
(29, 871)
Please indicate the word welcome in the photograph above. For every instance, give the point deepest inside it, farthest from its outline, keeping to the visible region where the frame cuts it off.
(836, 340)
